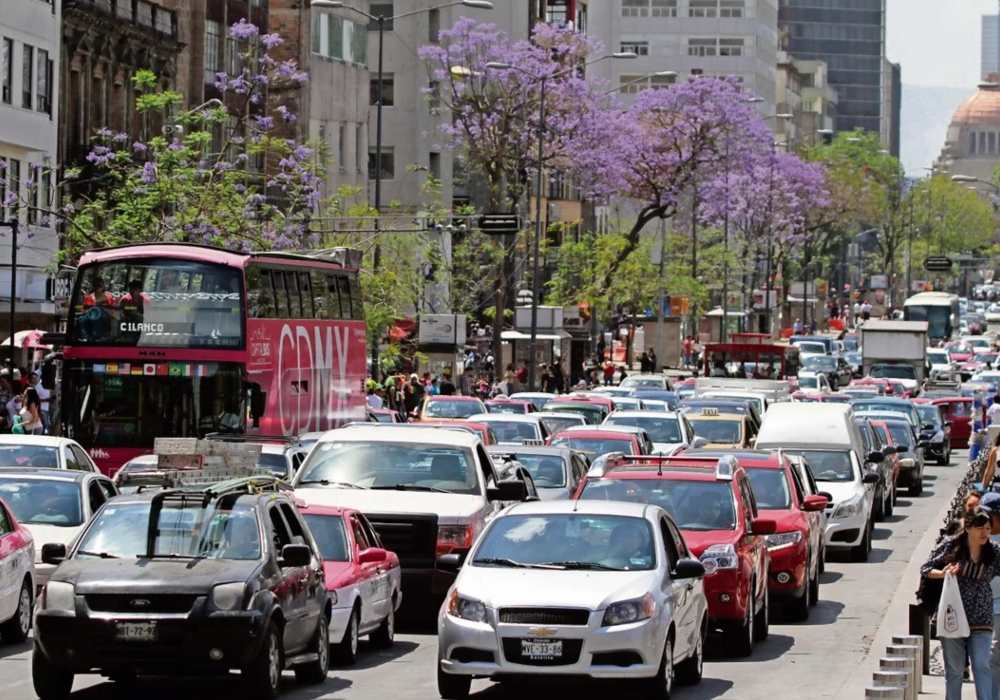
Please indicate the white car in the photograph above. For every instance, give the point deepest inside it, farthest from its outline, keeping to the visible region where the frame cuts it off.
(17, 577)
(993, 313)
(54, 505)
(808, 348)
(669, 431)
(283, 460)
(426, 491)
(940, 364)
(513, 428)
(44, 452)
(646, 381)
(813, 381)
(556, 420)
(555, 471)
(590, 589)
(539, 398)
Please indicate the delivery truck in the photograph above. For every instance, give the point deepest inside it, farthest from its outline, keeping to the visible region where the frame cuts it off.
(895, 350)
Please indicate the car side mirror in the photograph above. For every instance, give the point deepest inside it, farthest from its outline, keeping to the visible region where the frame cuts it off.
(293, 555)
(871, 478)
(451, 562)
(928, 426)
(876, 457)
(698, 442)
(825, 495)
(689, 568)
(761, 526)
(514, 490)
(902, 449)
(948, 423)
(924, 443)
(815, 503)
(889, 450)
(53, 553)
(372, 555)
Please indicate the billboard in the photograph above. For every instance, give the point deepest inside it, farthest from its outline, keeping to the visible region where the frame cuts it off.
(441, 329)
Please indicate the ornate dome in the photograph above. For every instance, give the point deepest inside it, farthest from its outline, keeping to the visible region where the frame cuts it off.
(981, 108)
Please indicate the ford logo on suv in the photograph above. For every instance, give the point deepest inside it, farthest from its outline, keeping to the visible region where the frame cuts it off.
(139, 603)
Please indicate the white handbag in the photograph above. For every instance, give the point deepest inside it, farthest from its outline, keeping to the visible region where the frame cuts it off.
(951, 620)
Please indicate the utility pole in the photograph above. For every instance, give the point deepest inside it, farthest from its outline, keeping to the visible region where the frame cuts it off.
(725, 262)
(660, 340)
(13, 224)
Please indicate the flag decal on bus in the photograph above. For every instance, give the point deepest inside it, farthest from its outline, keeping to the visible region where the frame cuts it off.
(149, 370)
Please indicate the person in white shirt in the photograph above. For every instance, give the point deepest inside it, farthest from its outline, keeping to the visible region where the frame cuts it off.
(220, 419)
(44, 395)
(374, 400)
(993, 412)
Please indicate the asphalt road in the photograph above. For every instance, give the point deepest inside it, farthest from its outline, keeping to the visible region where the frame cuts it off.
(810, 660)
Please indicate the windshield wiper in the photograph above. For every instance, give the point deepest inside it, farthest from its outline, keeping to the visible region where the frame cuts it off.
(336, 484)
(102, 555)
(175, 555)
(582, 565)
(500, 561)
(410, 487)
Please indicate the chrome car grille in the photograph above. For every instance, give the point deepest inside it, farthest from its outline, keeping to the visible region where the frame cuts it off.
(140, 603)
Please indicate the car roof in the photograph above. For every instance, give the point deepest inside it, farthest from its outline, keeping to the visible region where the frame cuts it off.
(593, 431)
(553, 450)
(890, 400)
(388, 432)
(562, 414)
(42, 440)
(438, 397)
(758, 457)
(46, 474)
(643, 414)
(585, 507)
(315, 509)
(505, 418)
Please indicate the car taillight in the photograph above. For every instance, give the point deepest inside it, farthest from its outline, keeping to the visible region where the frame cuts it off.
(452, 537)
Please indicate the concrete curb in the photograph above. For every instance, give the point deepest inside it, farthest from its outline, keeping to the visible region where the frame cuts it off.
(896, 621)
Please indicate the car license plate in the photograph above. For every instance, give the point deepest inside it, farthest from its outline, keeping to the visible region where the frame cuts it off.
(136, 631)
(541, 648)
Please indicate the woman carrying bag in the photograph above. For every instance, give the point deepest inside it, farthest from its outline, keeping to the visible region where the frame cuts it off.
(973, 560)
(31, 414)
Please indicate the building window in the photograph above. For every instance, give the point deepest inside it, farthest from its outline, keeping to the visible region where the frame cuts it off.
(359, 149)
(8, 69)
(663, 8)
(27, 77)
(335, 32)
(434, 165)
(701, 47)
(342, 148)
(731, 8)
(33, 195)
(730, 47)
(388, 164)
(433, 25)
(661, 81)
(387, 90)
(639, 48)
(702, 8)
(43, 86)
(982, 143)
(434, 96)
(972, 144)
(992, 143)
(381, 9)
(47, 191)
(635, 8)
(213, 34)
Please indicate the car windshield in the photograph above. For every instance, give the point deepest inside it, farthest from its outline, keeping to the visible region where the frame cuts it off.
(452, 409)
(811, 348)
(593, 412)
(186, 529)
(987, 357)
(770, 488)
(855, 357)
(515, 431)
(901, 434)
(828, 465)
(938, 357)
(547, 471)
(557, 423)
(330, 536)
(504, 407)
(837, 398)
(569, 540)
(822, 363)
(893, 372)
(722, 431)
(595, 447)
(694, 505)
(659, 428)
(643, 381)
(43, 501)
(277, 463)
(383, 417)
(809, 381)
(34, 456)
(384, 465)
(930, 414)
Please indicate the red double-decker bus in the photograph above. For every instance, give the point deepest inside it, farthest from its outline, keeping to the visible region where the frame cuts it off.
(182, 340)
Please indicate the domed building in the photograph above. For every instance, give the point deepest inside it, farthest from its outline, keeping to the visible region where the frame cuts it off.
(972, 146)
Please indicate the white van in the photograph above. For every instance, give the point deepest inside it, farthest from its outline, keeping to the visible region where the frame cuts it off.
(828, 437)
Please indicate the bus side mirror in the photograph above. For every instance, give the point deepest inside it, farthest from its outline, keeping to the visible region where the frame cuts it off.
(258, 403)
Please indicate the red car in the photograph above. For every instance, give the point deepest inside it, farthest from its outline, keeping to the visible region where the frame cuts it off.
(898, 389)
(712, 502)
(499, 405)
(886, 436)
(960, 411)
(959, 352)
(597, 442)
(384, 415)
(17, 580)
(881, 384)
(448, 408)
(362, 578)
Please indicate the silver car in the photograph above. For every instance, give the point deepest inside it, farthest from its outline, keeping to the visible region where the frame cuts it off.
(556, 471)
(575, 589)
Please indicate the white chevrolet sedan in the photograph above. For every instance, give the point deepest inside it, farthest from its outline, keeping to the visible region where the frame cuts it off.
(584, 589)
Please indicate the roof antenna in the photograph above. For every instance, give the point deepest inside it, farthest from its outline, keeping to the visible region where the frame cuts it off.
(576, 503)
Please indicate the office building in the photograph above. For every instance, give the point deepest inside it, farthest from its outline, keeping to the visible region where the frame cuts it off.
(989, 46)
(849, 35)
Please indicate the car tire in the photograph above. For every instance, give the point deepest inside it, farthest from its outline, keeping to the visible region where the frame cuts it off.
(814, 585)
(945, 459)
(661, 686)
(15, 630)
(347, 648)
(822, 558)
(316, 671)
(762, 620)
(51, 682)
(879, 513)
(739, 641)
(452, 687)
(262, 677)
(917, 487)
(385, 635)
(690, 671)
(799, 609)
(860, 553)
(890, 503)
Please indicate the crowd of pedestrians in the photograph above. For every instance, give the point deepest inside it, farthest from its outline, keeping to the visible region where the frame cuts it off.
(25, 404)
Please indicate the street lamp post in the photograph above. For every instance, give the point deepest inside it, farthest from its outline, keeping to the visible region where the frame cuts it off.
(14, 225)
(381, 20)
(543, 81)
(770, 232)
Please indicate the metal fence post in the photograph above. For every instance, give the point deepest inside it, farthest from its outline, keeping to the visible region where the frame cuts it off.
(883, 692)
(916, 648)
(900, 664)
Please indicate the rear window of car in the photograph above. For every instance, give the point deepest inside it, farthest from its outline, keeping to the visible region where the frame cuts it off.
(594, 447)
(330, 536)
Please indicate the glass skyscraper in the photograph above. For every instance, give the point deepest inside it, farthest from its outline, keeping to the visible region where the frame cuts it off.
(849, 35)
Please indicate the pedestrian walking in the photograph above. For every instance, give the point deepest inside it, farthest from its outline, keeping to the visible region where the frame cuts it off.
(622, 375)
(644, 363)
(652, 360)
(558, 377)
(688, 352)
(993, 412)
(797, 327)
(447, 387)
(522, 373)
(974, 559)
(609, 372)
(510, 379)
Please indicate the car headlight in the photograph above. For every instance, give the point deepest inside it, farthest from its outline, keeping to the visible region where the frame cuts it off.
(718, 557)
(466, 608)
(60, 596)
(627, 611)
(783, 539)
(849, 508)
(938, 436)
(907, 462)
(228, 596)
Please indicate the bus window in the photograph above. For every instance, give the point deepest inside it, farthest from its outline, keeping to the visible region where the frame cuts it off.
(320, 301)
(344, 289)
(357, 302)
(305, 289)
(260, 295)
(280, 294)
(333, 296)
(294, 298)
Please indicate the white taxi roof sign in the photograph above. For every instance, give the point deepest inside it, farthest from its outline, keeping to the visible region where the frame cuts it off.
(709, 411)
(726, 468)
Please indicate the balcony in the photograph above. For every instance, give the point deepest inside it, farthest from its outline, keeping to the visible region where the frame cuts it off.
(141, 13)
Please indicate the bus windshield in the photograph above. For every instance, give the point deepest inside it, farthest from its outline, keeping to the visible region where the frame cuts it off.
(158, 302)
(939, 319)
(116, 404)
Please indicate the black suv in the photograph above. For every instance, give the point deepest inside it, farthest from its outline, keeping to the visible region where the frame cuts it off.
(182, 582)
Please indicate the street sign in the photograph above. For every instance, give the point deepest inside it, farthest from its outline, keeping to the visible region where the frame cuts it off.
(499, 224)
(938, 263)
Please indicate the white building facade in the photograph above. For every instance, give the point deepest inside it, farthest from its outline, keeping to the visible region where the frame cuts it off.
(29, 75)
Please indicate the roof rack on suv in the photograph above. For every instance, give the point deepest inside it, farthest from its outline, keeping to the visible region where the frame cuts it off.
(207, 479)
(619, 460)
(225, 437)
